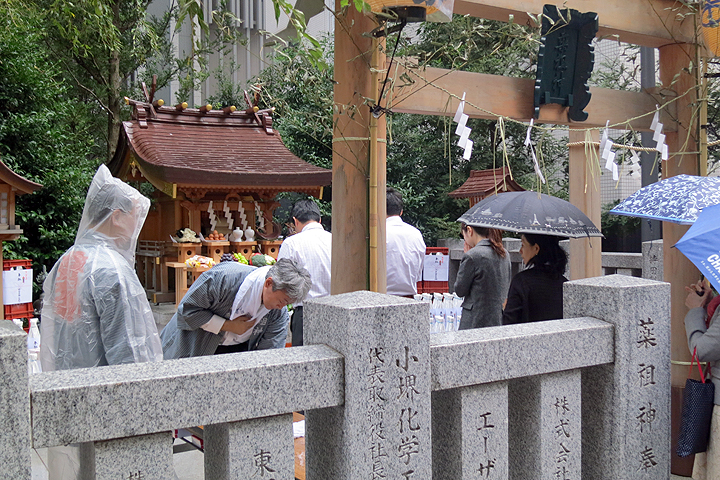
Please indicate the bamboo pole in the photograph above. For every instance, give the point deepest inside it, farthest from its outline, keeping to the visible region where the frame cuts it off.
(373, 180)
(702, 125)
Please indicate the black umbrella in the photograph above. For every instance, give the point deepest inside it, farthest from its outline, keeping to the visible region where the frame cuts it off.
(530, 212)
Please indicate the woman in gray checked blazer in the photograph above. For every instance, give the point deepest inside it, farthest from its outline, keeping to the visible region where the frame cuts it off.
(483, 277)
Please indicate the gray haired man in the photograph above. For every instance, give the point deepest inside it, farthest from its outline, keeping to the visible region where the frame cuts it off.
(233, 308)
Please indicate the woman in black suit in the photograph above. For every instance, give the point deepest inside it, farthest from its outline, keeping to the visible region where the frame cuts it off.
(536, 293)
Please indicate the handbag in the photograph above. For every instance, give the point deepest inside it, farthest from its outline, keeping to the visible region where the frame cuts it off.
(698, 403)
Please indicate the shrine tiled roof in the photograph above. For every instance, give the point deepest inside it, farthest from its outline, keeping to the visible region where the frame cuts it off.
(21, 184)
(485, 182)
(199, 149)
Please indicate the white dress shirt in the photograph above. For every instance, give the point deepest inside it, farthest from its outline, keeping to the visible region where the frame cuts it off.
(405, 256)
(311, 248)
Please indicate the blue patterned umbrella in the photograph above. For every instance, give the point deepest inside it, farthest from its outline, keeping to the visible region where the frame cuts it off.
(530, 212)
(701, 244)
(678, 199)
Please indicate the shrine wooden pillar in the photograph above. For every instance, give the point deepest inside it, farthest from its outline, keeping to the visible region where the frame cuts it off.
(351, 172)
(678, 270)
(584, 186)
(682, 146)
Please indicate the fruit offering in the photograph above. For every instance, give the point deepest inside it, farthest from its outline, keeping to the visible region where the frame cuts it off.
(260, 260)
(185, 235)
(215, 237)
(233, 257)
(200, 261)
(239, 257)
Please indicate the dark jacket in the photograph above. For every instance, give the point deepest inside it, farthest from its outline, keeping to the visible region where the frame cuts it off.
(483, 279)
(534, 295)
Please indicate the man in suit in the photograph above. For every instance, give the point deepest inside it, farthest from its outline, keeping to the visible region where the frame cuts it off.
(234, 308)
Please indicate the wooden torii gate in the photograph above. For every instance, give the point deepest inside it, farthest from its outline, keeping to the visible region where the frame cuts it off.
(359, 235)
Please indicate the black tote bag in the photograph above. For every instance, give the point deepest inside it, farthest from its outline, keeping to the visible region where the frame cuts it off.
(698, 403)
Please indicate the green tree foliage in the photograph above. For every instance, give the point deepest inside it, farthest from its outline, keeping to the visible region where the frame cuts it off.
(423, 161)
(477, 45)
(619, 230)
(100, 44)
(45, 137)
(302, 96)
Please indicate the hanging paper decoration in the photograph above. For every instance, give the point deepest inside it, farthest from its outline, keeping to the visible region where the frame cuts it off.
(468, 149)
(658, 136)
(463, 130)
(228, 215)
(635, 164)
(459, 112)
(604, 138)
(528, 143)
(259, 216)
(242, 216)
(213, 218)
(607, 154)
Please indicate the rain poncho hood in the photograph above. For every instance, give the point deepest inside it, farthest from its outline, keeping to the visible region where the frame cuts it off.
(95, 311)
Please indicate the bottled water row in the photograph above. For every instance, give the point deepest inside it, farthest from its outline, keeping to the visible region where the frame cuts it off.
(445, 311)
(33, 344)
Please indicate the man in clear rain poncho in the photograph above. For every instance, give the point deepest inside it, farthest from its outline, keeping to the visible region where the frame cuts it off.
(95, 310)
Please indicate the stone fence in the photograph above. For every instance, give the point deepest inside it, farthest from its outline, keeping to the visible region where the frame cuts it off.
(648, 264)
(584, 397)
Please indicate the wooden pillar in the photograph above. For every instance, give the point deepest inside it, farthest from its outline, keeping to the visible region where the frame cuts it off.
(351, 156)
(585, 253)
(2, 304)
(679, 271)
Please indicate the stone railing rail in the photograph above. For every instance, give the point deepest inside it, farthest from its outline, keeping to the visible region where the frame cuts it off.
(544, 400)
(648, 264)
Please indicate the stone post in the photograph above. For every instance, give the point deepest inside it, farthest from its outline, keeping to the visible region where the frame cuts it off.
(652, 260)
(143, 456)
(626, 412)
(470, 432)
(383, 428)
(545, 425)
(257, 448)
(15, 405)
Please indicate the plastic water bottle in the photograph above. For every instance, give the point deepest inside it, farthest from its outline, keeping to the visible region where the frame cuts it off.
(449, 322)
(33, 342)
(33, 338)
(34, 363)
